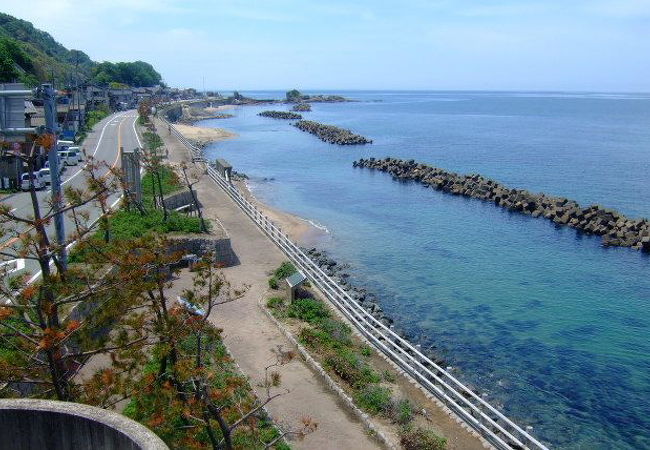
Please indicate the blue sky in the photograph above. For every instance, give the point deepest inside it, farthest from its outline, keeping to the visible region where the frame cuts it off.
(597, 45)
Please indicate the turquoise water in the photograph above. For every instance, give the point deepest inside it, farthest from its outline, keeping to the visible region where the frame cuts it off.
(553, 327)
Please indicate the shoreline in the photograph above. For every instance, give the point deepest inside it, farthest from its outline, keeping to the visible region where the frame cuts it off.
(306, 234)
(299, 229)
(204, 135)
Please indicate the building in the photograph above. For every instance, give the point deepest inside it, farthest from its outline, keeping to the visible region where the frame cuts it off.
(16, 131)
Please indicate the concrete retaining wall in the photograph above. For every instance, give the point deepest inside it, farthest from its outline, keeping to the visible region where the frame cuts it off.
(34, 424)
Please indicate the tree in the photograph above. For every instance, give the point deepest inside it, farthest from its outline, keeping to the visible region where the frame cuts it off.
(13, 57)
(294, 95)
(46, 327)
(194, 398)
(195, 201)
(138, 73)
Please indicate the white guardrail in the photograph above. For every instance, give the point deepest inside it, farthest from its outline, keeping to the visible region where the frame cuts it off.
(489, 422)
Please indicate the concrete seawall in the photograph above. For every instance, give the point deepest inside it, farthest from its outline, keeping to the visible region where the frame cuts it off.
(614, 228)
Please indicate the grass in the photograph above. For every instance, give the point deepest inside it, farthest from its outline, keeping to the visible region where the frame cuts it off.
(403, 413)
(308, 310)
(152, 141)
(285, 270)
(421, 439)
(169, 182)
(274, 302)
(96, 116)
(374, 399)
(125, 225)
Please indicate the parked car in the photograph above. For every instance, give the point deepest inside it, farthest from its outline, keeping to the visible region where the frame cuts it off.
(63, 145)
(45, 175)
(38, 181)
(69, 158)
(77, 149)
(61, 165)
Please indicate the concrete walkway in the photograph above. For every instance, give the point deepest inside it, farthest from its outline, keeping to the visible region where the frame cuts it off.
(251, 336)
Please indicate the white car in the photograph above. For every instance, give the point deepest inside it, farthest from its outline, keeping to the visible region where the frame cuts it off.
(45, 175)
(69, 158)
(39, 183)
(61, 165)
(77, 150)
(63, 145)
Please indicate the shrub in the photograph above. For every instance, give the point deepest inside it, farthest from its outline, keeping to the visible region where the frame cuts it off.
(314, 338)
(374, 399)
(338, 332)
(273, 283)
(308, 309)
(170, 182)
(366, 351)
(349, 366)
(285, 270)
(421, 439)
(275, 302)
(388, 376)
(403, 411)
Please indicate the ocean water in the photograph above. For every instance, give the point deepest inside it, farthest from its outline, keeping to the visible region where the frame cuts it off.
(554, 328)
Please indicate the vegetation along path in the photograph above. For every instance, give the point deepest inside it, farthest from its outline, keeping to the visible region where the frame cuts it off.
(252, 338)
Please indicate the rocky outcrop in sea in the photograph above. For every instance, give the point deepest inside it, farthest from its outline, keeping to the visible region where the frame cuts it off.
(286, 115)
(614, 228)
(302, 107)
(331, 134)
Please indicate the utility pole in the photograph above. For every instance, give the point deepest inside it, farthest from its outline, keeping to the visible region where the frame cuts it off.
(49, 103)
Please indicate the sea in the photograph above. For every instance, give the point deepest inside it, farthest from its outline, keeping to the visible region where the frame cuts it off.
(550, 326)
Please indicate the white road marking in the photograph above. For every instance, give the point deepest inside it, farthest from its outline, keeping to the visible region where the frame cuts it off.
(72, 244)
(96, 147)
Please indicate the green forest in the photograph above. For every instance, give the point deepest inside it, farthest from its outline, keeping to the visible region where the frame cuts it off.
(31, 56)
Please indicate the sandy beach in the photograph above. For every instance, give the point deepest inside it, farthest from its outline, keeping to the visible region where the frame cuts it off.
(300, 230)
(204, 134)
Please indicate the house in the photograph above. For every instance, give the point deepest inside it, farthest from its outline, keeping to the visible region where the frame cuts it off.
(121, 99)
(16, 131)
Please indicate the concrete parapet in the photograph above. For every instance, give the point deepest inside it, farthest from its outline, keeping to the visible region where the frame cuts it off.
(28, 424)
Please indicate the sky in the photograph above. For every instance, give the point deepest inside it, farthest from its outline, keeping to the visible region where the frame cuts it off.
(541, 45)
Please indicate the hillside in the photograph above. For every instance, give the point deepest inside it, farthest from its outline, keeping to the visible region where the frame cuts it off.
(31, 56)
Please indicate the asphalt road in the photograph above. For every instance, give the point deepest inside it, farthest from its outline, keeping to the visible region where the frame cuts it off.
(103, 143)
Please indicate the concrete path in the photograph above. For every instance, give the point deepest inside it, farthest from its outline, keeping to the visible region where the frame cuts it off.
(251, 336)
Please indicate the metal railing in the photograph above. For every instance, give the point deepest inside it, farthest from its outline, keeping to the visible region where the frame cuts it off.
(489, 422)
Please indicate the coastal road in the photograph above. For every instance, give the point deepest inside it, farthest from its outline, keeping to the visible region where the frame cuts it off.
(103, 143)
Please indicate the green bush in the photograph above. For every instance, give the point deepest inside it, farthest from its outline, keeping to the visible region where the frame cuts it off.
(403, 412)
(96, 116)
(388, 376)
(314, 338)
(374, 399)
(169, 180)
(273, 283)
(132, 224)
(274, 302)
(152, 141)
(308, 309)
(338, 332)
(421, 439)
(366, 351)
(351, 368)
(285, 270)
